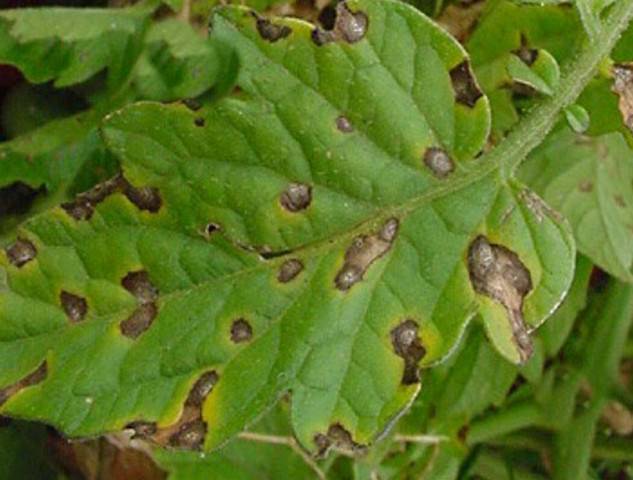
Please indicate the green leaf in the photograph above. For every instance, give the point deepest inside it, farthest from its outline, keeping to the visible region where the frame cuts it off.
(70, 46)
(589, 180)
(577, 118)
(176, 63)
(64, 157)
(252, 247)
(540, 72)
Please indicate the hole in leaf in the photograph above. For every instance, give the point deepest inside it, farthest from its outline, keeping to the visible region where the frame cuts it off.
(74, 306)
(467, 91)
(21, 252)
(289, 270)
(296, 197)
(38, 376)
(498, 273)
(438, 161)
(407, 345)
(241, 331)
(348, 26)
(210, 229)
(270, 31)
(363, 252)
(142, 429)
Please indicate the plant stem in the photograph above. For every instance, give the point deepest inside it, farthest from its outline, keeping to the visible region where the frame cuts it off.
(531, 131)
(287, 441)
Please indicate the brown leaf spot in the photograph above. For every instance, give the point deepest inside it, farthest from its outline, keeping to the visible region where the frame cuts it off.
(289, 270)
(438, 161)
(364, 251)
(192, 104)
(623, 87)
(407, 345)
(499, 274)
(585, 186)
(199, 122)
(21, 252)
(189, 436)
(337, 436)
(74, 306)
(139, 321)
(343, 124)
(241, 331)
(270, 31)
(619, 201)
(145, 198)
(202, 388)
(538, 207)
(296, 197)
(467, 91)
(31, 379)
(139, 285)
(350, 27)
(82, 207)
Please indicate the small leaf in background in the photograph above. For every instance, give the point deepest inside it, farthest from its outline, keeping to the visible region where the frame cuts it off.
(534, 69)
(70, 46)
(589, 180)
(176, 63)
(577, 118)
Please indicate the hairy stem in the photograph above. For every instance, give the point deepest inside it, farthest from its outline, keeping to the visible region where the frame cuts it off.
(531, 131)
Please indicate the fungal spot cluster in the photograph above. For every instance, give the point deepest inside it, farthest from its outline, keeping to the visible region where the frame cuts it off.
(289, 270)
(296, 197)
(189, 432)
(270, 31)
(364, 251)
(337, 436)
(623, 87)
(83, 206)
(74, 306)
(241, 331)
(21, 252)
(34, 378)
(438, 161)
(498, 273)
(349, 27)
(467, 92)
(407, 345)
(138, 284)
